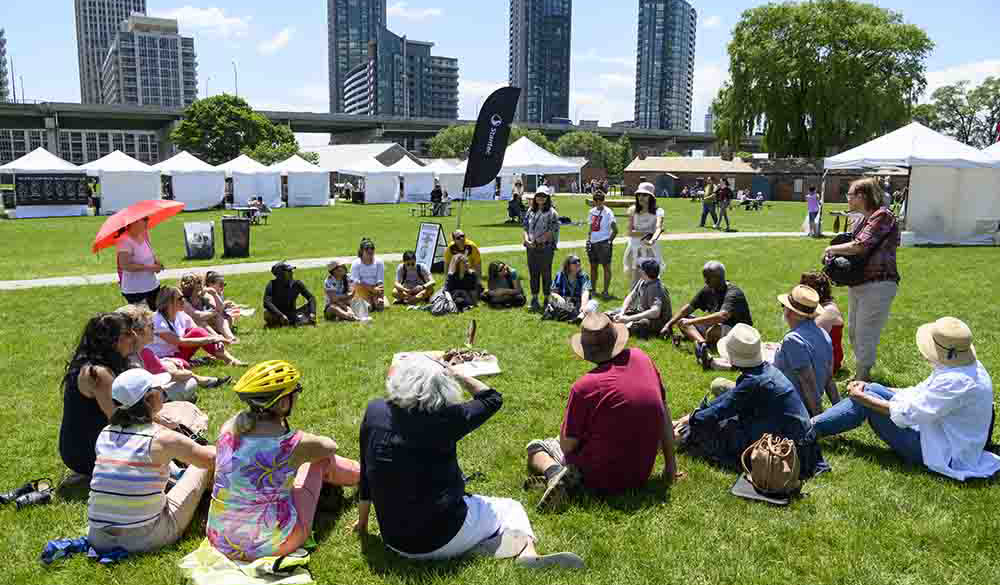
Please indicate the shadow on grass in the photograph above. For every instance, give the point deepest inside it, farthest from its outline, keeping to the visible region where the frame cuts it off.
(384, 562)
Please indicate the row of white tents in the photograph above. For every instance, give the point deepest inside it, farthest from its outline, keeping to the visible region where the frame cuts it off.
(125, 180)
(954, 195)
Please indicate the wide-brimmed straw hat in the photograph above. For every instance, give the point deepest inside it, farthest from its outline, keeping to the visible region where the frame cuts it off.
(741, 347)
(599, 340)
(803, 300)
(333, 265)
(947, 342)
(646, 188)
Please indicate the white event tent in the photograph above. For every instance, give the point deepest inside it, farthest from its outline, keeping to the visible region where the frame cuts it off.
(482, 193)
(124, 181)
(451, 178)
(252, 179)
(308, 184)
(953, 187)
(417, 180)
(381, 182)
(43, 162)
(993, 151)
(194, 182)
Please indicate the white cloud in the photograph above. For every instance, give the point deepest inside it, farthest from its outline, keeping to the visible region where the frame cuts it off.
(711, 22)
(708, 79)
(471, 95)
(212, 20)
(975, 72)
(619, 81)
(402, 10)
(276, 43)
(313, 97)
(592, 56)
(606, 105)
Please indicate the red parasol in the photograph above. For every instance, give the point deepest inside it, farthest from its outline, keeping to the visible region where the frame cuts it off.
(155, 210)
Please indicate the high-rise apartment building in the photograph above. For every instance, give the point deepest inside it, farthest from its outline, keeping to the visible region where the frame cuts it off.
(351, 26)
(402, 78)
(664, 76)
(539, 57)
(97, 24)
(4, 85)
(150, 64)
(709, 122)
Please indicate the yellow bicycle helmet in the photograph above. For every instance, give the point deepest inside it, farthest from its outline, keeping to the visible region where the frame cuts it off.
(264, 384)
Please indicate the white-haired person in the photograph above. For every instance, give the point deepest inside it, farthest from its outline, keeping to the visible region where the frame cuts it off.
(268, 477)
(725, 306)
(644, 229)
(944, 422)
(129, 505)
(410, 471)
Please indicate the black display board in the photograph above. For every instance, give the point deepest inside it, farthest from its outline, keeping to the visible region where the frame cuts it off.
(51, 189)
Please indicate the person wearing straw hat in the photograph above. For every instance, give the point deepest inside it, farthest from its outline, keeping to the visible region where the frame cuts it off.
(339, 293)
(762, 401)
(617, 419)
(943, 423)
(645, 227)
(806, 353)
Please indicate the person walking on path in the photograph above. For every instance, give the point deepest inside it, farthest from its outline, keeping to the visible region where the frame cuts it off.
(723, 198)
(812, 201)
(708, 203)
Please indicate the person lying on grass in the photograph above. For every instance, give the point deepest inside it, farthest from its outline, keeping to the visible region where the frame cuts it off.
(503, 287)
(129, 506)
(943, 423)
(410, 471)
(281, 299)
(177, 336)
(414, 284)
(269, 478)
(617, 419)
(184, 383)
(102, 352)
(646, 309)
(339, 292)
(761, 401)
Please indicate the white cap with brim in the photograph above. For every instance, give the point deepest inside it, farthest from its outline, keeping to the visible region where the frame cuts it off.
(131, 386)
(742, 347)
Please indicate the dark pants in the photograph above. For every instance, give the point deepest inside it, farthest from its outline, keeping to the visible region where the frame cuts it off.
(148, 297)
(707, 208)
(301, 317)
(540, 268)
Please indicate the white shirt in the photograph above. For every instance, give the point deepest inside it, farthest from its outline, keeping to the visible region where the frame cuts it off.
(951, 409)
(160, 347)
(367, 274)
(142, 253)
(600, 224)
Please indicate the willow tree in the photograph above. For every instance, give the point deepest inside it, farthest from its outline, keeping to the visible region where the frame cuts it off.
(822, 75)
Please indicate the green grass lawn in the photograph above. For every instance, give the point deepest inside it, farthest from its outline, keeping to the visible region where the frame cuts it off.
(873, 520)
(37, 248)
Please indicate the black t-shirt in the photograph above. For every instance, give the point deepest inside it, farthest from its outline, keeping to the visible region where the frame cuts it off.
(283, 296)
(437, 194)
(83, 420)
(410, 471)
(731, 300)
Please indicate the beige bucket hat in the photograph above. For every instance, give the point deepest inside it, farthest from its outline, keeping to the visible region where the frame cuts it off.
(947, 342)
(741, 347)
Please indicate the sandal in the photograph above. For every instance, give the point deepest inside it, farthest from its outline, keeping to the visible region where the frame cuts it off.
(42, 494)
(216, 382)
(12, 495)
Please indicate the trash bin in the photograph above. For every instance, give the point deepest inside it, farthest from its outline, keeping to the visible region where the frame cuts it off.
(236, 237)
(199, 240)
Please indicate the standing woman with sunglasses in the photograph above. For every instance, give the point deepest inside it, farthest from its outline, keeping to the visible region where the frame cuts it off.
(541, 237)
(268, 478)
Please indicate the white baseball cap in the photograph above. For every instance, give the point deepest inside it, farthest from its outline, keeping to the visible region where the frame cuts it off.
(542, 190)
(131, 386)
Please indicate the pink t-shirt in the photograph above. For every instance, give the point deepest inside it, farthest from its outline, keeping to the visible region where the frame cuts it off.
(812, 199)
(616, 412)
(150, 362)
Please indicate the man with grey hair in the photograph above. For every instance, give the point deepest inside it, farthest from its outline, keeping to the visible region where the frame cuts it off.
(725, 305)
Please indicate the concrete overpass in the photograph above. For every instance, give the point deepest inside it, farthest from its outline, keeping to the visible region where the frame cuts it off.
(342, 128)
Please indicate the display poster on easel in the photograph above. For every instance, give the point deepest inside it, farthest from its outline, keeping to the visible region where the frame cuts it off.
(430, 246)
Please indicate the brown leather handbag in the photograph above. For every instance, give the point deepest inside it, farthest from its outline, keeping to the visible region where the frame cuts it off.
(772, 465)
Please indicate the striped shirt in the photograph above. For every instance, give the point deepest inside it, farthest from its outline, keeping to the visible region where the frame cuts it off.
(127, 486)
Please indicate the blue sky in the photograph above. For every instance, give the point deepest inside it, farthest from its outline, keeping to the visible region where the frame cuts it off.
(280, 47)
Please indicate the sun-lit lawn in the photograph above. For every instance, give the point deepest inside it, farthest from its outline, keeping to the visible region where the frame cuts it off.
(36, 248)
(872, 520)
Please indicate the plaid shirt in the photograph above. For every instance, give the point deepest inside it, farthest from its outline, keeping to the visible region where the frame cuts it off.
(879, 236)
(537, 223)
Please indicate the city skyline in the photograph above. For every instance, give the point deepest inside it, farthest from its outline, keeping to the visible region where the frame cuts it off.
(665, 56)
(539, 58)
(282, 55)
(97, 24)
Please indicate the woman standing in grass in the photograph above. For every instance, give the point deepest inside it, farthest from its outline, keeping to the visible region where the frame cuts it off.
(644, 229)
(100, 355)
(541, 236)
(410, 471)
(137, 264)
(268, 478)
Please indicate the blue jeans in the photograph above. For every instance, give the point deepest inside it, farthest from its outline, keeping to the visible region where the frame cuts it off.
(707, 208)
(848, 414)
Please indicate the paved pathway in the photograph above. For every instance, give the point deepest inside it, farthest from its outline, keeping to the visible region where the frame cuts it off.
(252, 267)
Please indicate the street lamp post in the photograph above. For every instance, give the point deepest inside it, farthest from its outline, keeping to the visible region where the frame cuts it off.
(236, 79)
(208, 86)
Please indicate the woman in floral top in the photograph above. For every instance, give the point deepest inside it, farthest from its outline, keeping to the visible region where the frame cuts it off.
(268, 477)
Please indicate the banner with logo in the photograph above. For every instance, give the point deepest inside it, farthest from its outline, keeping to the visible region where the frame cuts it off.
(489, 142)
(51, 189)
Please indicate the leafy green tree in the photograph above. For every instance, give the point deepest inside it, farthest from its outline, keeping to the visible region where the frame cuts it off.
(968, 115)
(820, 75)
(598, 150)
(219, 128)
(742, 154)
(268, 154)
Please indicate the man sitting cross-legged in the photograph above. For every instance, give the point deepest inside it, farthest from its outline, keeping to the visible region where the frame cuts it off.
(647, 307)
(414, 284)
(281, 296)
(617, 418)
(725, 304)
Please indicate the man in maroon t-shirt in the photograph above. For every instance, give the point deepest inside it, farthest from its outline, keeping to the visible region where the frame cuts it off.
(617, 419)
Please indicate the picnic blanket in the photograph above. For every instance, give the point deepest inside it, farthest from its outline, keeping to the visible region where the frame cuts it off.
(207, 566)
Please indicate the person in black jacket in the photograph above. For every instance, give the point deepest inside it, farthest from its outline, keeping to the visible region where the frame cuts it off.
(462, 283)
(281, 297)
(410, 471)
